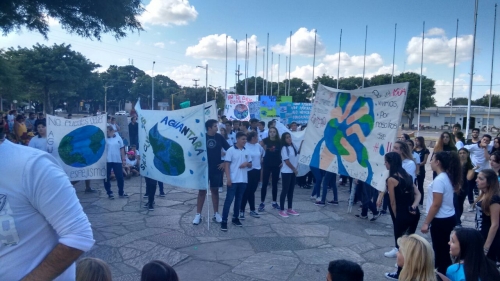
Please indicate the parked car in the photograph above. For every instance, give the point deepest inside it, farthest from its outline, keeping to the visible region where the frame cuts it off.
(59, 110)
(122, 112)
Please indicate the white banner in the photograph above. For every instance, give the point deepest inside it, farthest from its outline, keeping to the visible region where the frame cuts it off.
(238, 106)
(349, 132)
(79, 145)
(173, 145)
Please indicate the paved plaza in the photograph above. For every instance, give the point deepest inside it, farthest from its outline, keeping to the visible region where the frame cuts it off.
(266, 248)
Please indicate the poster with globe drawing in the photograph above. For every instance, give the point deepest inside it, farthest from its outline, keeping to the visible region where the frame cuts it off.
(349, 132)
(173, 145)
(239, 107)
(79, 145)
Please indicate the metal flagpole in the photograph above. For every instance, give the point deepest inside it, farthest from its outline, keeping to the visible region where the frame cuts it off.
(454, 67)
(394, 53)
(236, 69)
(267, 63)
(471, 71)
(246, 50)
(492, 58)
(279, 60)
(338, 63)
(286, 69)
(263, 70)
(271, 90)
(421, 73)
(255, 80)
(364, 59)
(314, 60)
(225, 82)
(290, 64)
(248, 61)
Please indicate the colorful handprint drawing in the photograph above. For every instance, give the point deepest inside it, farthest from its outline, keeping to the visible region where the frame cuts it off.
(352, 120)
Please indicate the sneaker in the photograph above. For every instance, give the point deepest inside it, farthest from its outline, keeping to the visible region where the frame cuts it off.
(90, 190)
(283, 214)
(471, 208)
(392, 253)
(223, 226)
(254, 214)
(361, 217)
(319, 203)
(313, 198)
(333, 202)
(375, 217)
(392, 275)
(237, 222)
(146, 205)
(145, 195)
(292, 212)
(220, 189)
(383, 212)
(124, 195)
(242, 215)
(197, 219)
(151, 207)
(275, 206)
(162, 194)
(217, 218)
(111, 196)
(261, 207)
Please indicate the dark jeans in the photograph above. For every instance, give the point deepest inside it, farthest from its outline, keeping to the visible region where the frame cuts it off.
(118, 170)
(420, 185)
(287, 187)
(472, 186)
(249, 195)
(310, 177)
(330, 180)
(160, 185)
(406, 223)
(344, 180)
(369, 198)
(234, 192)
(386, 202)
(275, 171)
(318, 176)
(441, 229)
(458, 203)
(150, 190)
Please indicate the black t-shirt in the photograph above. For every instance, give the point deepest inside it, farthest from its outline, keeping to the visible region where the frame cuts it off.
(483, 222)
(422, 154)
(273, 152)
(133, 131)
(469, 141)
(403, 193)
(215, 144)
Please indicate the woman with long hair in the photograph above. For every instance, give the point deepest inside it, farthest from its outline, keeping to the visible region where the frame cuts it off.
(488, 212)
(289, 154)
(496, 144)
(470, 263)
(423, 153)
(468, 171)
(416, 257)
(440, 218)
(256, 152)
(224, 133)
(445, 143)
(271, 166)
(404, 197)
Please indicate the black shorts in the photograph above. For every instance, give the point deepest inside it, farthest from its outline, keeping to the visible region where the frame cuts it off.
(215, 178)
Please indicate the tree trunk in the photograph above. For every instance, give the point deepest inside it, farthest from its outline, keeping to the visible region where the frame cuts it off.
(46, 100)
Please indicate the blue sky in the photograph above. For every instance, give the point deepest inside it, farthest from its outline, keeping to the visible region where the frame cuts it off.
(181, 34)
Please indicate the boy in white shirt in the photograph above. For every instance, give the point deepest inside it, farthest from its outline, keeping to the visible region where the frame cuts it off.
(236, 164)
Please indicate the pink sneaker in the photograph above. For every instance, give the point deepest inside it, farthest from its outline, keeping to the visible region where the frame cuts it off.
(292, 212)
(283, 214)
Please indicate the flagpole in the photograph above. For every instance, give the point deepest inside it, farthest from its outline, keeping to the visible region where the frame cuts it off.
(279, 60)
(394, 53)
(314, 60)
(246, 51)
(225, 81)
(421, 73)
(263, 70)
(364, 59)
(236, 69)
(271, 90)
(267, 64)
(491, 77)
(471, 71)
(286, 70)
(255, 80)
(248, 62)
(454, 68)
(338, 63)
(290, 64)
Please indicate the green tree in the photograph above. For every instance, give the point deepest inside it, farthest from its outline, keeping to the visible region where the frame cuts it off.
(88, 19)
(458, 101)
(348, 83)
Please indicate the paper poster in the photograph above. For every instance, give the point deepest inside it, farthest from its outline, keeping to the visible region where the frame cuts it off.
(79, 145)
(238, 106)
(349, 132)
(299, 112)
(173, 145)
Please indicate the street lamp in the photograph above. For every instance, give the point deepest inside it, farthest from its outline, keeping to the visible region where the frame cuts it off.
(216, 89)
(106, 98)
(172, 95)
(206, 81)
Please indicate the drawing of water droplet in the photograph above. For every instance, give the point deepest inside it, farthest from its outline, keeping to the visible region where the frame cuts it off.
(197, 120)
(191, 171)
(382, 150)
(189, 153)
(203, 159)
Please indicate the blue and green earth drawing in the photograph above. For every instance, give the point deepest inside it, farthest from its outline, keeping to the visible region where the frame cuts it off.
(82, 147)
(241, 111)
(168, 154)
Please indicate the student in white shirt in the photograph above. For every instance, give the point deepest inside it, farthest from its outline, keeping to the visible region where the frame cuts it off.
(115, 161)
(480, 156)
(256, 152)
(40, 141)
(236, 165)
(459, 140)
(290, 158)
(261, 130)
(416, 157)
(440, 218)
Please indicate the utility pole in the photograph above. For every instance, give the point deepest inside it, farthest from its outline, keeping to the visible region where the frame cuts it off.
(196, 82)
(106, 98)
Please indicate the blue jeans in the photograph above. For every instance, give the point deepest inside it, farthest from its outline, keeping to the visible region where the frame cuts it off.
(118, 169)
(235, 191)
(330, 180)
(318, 177)
(368, 198)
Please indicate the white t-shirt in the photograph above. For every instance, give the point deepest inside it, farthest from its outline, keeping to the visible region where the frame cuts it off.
(38, 210)
(236, 157)
(441, 184)
(410, 167)
(256, 152)
(477, 156)
(230, 142)
(113, 145)
(38, 143)
(131, 162)
(262, 135)
(287, 153)
(459, 145)
(232, 137)
(416, 157)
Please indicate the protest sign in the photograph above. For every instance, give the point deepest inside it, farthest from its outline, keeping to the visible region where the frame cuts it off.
(349, 132)
(79, 145)
(238, 106)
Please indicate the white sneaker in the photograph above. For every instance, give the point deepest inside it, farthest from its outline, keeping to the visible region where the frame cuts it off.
(471, 208)
(220, 189)
(197, 219)
(218, 218)
(392, 253)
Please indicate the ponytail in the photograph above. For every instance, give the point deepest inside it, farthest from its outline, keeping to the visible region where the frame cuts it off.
(450, 163)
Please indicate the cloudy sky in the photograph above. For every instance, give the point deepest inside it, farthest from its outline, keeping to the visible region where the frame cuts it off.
(181, 34)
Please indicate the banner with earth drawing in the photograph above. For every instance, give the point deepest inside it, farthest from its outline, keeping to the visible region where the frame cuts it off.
(349, 132)
(79, 145)
(240, 107)
(173, 145)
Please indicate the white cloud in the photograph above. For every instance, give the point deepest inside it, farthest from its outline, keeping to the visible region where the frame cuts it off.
(439, 50)
(168, 12)
(184, 74)
(52, 21)
(302, 44)
(352, 65)
(214, 47)
(172, 42)
(160, 45)
(444, 88)
(138, 43)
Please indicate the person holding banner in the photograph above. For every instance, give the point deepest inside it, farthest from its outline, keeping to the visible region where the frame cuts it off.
(215, 144)
(272, 165)
(115, 161)
(289, 154)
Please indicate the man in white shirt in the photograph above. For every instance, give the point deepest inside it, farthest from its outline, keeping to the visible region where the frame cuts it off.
(261, 130)
(480, 156)
(44, 229)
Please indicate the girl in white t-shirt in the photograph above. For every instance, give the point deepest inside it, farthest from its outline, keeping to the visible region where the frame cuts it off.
(290, 158)
(440, 218)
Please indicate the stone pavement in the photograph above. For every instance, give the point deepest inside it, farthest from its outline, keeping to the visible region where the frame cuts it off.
(266, 248)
